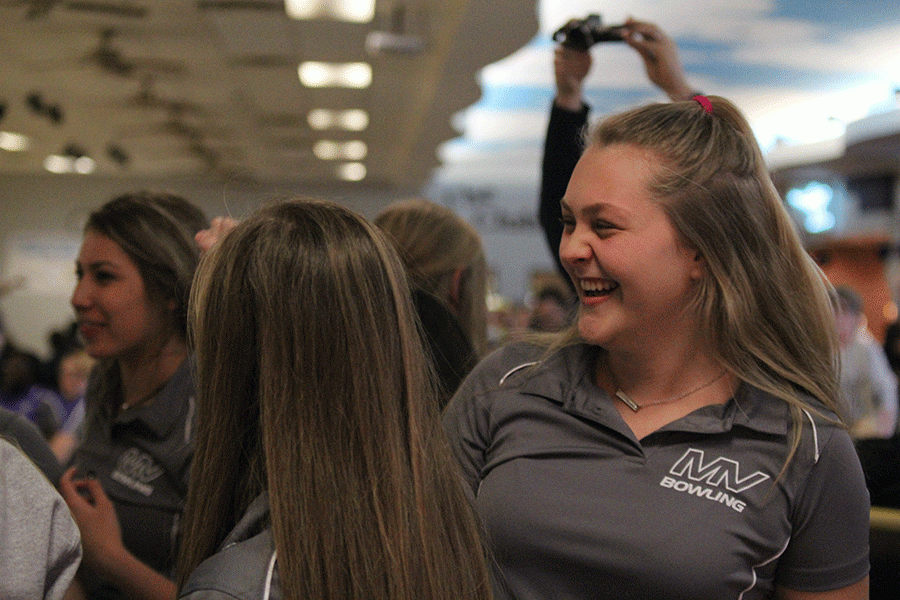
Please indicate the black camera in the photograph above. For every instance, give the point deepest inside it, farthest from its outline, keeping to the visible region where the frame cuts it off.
(581, 34)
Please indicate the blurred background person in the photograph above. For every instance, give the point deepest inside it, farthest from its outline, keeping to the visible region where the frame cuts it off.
(552, 309)
(73, 371)
(868, 385)
(21, 391)
(447, 270)
(892, 346)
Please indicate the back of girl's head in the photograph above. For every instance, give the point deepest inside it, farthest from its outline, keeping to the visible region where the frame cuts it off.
(435, 243)
(764, 302)
(156, 230)
(312, 386)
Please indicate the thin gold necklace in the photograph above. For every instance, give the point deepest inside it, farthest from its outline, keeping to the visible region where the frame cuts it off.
(636, 407)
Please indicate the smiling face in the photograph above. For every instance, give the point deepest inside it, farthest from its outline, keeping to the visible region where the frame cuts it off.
(633, 273)
(115, 317)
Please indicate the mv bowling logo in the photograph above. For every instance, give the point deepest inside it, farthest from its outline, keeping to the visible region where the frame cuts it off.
(691, 471)
(136, 469)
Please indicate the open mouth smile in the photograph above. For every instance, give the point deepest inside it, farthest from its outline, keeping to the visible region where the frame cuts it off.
(594, 288)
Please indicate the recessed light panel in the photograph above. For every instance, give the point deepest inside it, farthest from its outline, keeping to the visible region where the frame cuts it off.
(355, 11)
(321, 74)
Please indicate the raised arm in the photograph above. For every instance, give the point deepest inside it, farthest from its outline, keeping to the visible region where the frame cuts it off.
(661, 60)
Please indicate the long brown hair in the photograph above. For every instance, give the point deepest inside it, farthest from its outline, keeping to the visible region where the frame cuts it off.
(312, 386)
(764, 303)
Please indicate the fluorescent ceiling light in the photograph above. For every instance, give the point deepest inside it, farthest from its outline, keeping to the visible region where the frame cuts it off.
(325, 150)
(321, 74)
(329, 150)
(14, 142)
(56, 163)
(356, 11)
(349, 120)
(355, 150)
(352, 171)
(83, 165)
(321, 118)
(353, 120)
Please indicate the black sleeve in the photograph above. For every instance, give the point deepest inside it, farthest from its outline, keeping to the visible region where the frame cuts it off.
(562, 149)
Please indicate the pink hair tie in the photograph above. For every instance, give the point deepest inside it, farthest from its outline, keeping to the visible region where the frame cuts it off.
(704, 102)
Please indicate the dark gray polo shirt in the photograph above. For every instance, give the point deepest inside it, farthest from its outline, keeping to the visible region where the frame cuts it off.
(576, 507)
(142, 457)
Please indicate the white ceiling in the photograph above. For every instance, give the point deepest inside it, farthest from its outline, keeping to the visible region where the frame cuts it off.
(210, 87)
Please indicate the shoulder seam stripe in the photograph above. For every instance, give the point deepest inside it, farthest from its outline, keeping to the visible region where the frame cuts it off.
(753, 576)
(517, 368)
(815, 432)
(269, 573)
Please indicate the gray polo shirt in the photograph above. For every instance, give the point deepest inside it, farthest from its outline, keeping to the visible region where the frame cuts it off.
(576, 507)
(244, 568)
(142, 458)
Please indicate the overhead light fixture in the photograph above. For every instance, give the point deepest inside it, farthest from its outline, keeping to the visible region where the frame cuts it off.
(71, 160)
(320, 119)
(56, 163)
(379, 42)
(352, 171)
(353, 120)
(321, 74)
(354, 11)
(118, 155)
(348, 120)
(397, 37)
(35, 102)
(14, 142)
(52, 112)
(84, 165)
(329, 150)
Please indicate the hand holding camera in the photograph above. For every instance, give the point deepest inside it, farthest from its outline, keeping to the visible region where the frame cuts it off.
(581, 34)
(658, 51)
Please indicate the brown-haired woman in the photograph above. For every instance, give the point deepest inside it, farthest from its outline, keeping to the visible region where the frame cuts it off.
(320, 468)
(445, 261)
(127, 487)
(682, 440)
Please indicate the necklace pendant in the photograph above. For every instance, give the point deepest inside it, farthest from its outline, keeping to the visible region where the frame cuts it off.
(628, 401)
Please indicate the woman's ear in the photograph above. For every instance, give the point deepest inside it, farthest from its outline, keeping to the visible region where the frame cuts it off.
(456, 283)
(698, 269)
